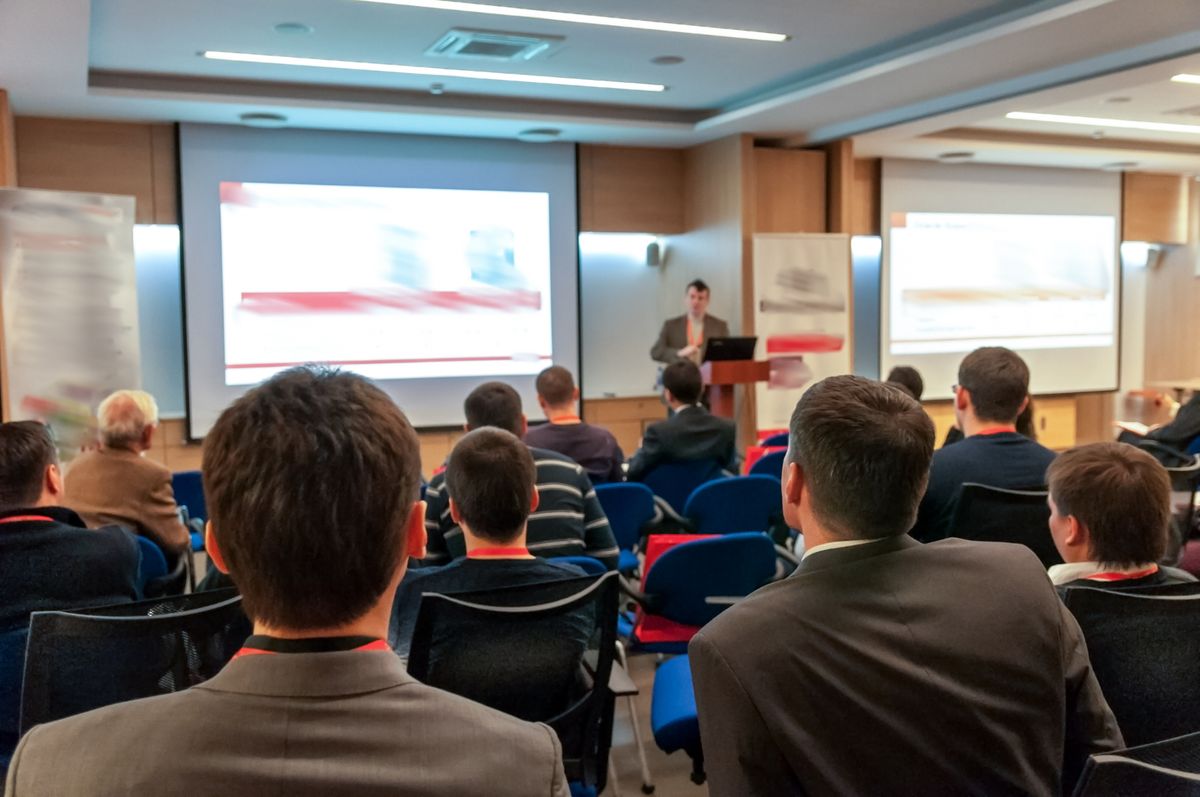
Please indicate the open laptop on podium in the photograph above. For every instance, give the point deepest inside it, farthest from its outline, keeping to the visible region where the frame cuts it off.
(731, 348)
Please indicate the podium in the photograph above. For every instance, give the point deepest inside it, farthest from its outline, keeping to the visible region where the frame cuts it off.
(720, 377)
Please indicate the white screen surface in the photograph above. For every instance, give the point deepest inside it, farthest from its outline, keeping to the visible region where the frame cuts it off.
(1001, 256)
(430, 265)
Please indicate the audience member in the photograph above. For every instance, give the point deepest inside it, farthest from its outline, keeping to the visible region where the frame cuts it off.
(592, 447)
(1110, 516)
(312, 486)
(569, 520)
(1180, 433)
(685, 337)
(1024, 425)
(117, 484)
(992, 390)
(490, 479)
(908, 378)
(691, 433)
(48, 559)
(886, 665)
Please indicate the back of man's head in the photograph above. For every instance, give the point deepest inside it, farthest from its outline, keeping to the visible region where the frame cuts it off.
(490, 477)
(909, 378)
(998, 382)
(26, 450)
(124, 416)
(310, 478)
(864, 448)
(556, 386)
(1121, 494)
(494, 404)
(682, 378)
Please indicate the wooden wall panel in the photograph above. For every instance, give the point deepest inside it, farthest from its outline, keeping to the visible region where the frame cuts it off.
(1154, 207)
(840, 185)
(630, 189)
(626, 418)
(8, 144)
(864, 210)
(1173, 307)
(789, 190)
(1094, 416)
(164, 174)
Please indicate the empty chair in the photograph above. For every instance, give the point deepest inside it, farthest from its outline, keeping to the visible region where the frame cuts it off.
(769, 465)
(674, 481)
(1144, 645)
(673, 713)
(1170, 767)
(76, 662)
(155, 579)
(997, 514)
(1185, 480)
(629, 506)
(189, 495)
(738, 503)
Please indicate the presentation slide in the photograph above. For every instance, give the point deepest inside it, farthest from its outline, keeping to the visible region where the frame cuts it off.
(964, 280)
(393, 283)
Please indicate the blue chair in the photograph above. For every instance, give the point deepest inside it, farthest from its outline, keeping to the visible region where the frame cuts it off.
(629, 506)
(769, 465)
(780, 439)
(739, 503)
(673, 717)
(1194, 446)
(674, 481)
(155, 577)
(589, 565)
(189, 495)
(12, 666)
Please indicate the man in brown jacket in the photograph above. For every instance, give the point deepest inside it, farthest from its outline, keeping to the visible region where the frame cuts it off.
(312, 482)
(117, 484)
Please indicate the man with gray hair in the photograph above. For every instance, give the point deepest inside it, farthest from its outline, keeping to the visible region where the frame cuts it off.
(117, 484)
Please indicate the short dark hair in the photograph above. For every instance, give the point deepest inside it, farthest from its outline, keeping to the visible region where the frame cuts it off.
(555, 385)
(865, 449)
(682, 378)
(699, 284)
(998, 381)
(1121, 494)
(494, 404)
(909, 378)
(310, 478)
(26, 450)
(491, 476)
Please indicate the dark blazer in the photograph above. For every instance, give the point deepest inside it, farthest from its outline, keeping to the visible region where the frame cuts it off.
(300, 724)
(691, 433)
(1183, 429)
(900, 668)
(673, 337)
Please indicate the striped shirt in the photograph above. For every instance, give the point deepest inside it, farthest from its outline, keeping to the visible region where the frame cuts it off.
(568, 522)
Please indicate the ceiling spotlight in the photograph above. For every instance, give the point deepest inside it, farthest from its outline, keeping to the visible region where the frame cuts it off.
(667, 60)
(1119, 166)
(263, 119)
(437, 89)
(956, 157)
(1097, 134)
(539, 135)
(1118, 100)
(293, 28)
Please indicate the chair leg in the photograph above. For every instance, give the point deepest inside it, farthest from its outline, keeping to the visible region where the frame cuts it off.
(614, 786)
(647, 781)
(698, 773)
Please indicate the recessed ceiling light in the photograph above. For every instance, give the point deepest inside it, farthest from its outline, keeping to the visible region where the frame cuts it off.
(587, 19)
(956, 157)
(293, 28)
(1118, 100)
(404, 69)
(539, 135)
(263, 119)
(1119, 166)
(1091, 121)
(1186, 78)
(667, 60)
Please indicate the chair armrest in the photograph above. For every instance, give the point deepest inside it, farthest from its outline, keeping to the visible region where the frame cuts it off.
(786, 555)
(648, 603)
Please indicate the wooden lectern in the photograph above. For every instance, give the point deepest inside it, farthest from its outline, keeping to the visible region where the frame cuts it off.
(721, 375)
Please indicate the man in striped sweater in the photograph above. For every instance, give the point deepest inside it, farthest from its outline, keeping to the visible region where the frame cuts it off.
(568, 521)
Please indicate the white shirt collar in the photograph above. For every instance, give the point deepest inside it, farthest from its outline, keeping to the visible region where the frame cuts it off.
(829, 546)
(1073, 571)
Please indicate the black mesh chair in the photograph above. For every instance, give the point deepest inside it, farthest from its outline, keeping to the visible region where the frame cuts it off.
(541, 652)
(75, 662)
(996, 514)
(1144, 645)
(1169, 768)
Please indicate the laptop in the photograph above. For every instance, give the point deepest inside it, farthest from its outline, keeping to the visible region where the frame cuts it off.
(730, 349)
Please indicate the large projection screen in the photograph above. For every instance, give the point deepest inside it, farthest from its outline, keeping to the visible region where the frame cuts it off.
(428, 264)
(1021, 257)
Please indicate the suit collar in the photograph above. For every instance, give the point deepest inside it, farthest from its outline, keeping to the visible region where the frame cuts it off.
(349, 672)
(838, 557)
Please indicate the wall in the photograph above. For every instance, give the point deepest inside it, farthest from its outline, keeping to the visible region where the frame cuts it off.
(1173, 307)
(630, 189)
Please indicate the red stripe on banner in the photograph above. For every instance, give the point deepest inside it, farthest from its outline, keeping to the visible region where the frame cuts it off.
(804, 343)
(382, 362)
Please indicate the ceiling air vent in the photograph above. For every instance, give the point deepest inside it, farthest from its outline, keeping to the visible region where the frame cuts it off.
(1191, 110)
(494, 45)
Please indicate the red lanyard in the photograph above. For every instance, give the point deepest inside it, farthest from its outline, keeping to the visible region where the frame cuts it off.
(566, 419)
(696, 341)
(995, 430)
(1149, 571)
(486, 552)
(378, 644)
(26, 519)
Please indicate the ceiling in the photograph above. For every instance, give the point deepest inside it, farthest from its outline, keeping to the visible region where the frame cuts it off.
(913, 78)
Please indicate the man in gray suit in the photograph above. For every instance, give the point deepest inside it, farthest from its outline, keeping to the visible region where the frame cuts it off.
(686, 337)
(312, 487)
(884, 666)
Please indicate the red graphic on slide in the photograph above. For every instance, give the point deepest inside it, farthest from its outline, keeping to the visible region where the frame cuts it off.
(276, 302)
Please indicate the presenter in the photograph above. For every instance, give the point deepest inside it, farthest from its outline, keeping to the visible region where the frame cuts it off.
(685, 337)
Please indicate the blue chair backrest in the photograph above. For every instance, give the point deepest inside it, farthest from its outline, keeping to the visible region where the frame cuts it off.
(740, 503)
(723, 569)
(1194, 446)
(674, 481)
(12, 670)
(189, 491)
(769, 465)
(780, 439)
(590, 566)
(154, 561)
(629, 506)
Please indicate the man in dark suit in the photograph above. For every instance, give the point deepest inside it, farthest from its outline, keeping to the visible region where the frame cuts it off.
(686, 337)
(312, 485)
(882, 665)
(691, 432)
(1110, 517)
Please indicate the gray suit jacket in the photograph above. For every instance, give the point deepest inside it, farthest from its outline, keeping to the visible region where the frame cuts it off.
(900, 668)
(347, 723)
(673, 337)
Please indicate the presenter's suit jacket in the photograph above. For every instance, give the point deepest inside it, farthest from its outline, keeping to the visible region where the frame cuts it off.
(900, 668)
(673, 337)
(112, 485)
(296, 724)
(691, 433)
